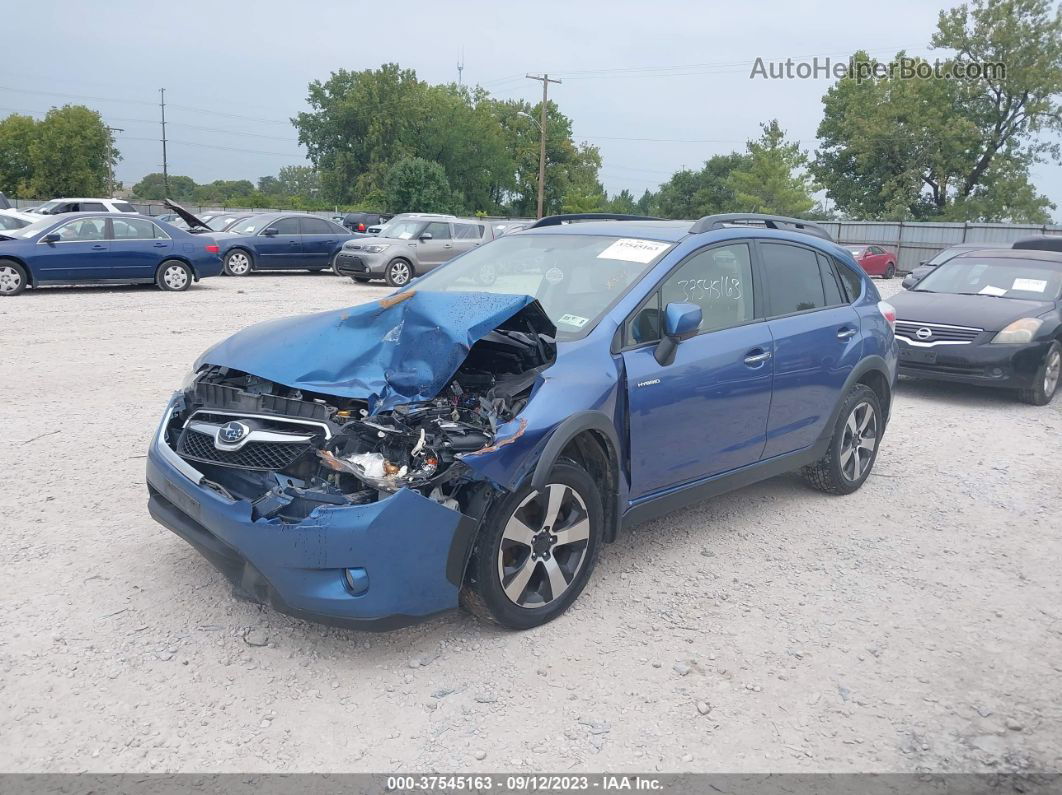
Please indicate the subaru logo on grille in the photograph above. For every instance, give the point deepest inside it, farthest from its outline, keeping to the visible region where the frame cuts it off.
(924, 333)
(232, 432)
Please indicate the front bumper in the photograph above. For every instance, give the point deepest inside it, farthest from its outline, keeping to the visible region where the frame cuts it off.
(985, 364)
(409, 550)
(351, 263)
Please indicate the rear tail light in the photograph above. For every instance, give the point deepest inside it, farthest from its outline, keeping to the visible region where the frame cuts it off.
(361, 227)
(213, 248)
(888, 311)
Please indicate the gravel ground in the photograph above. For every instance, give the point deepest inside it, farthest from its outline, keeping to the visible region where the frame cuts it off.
(915, 625)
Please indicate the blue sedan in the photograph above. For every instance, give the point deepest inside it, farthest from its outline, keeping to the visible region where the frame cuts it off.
(282, 241)
(99, 248)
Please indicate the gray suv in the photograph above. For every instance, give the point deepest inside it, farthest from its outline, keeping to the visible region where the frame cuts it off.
(409, 246)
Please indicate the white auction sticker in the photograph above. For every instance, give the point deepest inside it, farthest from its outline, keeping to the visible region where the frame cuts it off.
(989, 289)
(574, 320)
(631, 249)
(1030, 285)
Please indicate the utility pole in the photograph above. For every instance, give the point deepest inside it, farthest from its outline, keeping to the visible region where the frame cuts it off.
(110, 161)
(165, 167)
(542, 138)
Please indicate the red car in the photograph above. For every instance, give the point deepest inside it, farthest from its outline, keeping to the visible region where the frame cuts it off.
(875, 260)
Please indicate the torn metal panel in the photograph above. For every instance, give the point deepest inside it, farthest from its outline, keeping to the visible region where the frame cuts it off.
(403, 349)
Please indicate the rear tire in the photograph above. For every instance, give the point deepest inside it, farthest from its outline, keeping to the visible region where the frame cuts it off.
(173, 276)
(1047, 377)
(13, 278)
(890, 271)
(237, 263)
(535, 551)
(853, 447)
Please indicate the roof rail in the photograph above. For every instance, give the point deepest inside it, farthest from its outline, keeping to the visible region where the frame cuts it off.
(782, 222)
(557, 220)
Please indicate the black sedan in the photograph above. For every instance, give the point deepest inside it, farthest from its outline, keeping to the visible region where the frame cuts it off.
(989, 317)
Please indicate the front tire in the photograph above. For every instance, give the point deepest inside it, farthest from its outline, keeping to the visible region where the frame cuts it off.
(173, 276)
(13, 278)
(360, 279)
(1047, 377)
(536, 551)
(398, 273)
(237, 263)
(853, 448)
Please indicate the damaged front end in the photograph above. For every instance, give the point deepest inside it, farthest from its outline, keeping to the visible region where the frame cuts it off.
(302, 455)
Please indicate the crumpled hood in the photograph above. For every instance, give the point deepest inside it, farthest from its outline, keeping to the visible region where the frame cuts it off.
(401, 349)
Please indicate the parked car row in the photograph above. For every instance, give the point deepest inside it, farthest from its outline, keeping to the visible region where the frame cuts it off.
(103, 248)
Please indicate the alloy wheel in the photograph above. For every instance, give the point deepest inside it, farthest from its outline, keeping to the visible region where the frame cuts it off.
(543, 546)
(239, 263)
(859, 441)
(175, 277)
(1051, 369)
(399, 273)
(10, 279)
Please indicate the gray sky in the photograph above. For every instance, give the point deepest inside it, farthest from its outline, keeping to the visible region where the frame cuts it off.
(241, 70)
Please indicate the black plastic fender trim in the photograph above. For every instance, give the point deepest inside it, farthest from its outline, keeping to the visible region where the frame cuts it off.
(564, 433)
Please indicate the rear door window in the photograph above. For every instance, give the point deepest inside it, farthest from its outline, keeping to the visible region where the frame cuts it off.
(794, 283)
(92, 207)
(286, 226)
(850, 281)
(132, 229)
(316, 226)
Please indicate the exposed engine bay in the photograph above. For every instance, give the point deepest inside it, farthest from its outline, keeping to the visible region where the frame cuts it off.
(288, 450)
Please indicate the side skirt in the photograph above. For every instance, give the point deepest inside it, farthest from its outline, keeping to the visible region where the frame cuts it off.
(653, 507)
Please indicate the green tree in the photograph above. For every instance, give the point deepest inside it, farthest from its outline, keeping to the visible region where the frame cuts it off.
(414, 184)
(692, 194)
(153, 188)
(234, 192)
(72, 154)
(647, 203)
(16, 139)
(297, 181)
(363, 123)
(960, 149)
(771, 179)
(622, 202)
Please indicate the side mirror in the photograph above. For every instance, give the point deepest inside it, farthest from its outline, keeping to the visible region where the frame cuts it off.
(51, 238)
(270, 232)
(425, 236)
(681, 322)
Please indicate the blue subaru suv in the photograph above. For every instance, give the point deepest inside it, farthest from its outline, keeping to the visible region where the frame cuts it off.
(468, 443)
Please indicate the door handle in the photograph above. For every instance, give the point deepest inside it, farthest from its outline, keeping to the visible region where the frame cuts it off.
(160, 245)
(98, 247)
(845, 333)
(448, 245)
(754, 358)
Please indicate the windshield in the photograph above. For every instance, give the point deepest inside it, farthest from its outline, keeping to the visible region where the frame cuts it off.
(252, 225)
(1004, 278)
(946, 254)
(33, 229)
(219, 222)
(401, 230)
(576, 278)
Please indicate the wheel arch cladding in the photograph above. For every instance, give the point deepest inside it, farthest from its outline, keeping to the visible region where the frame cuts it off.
(876, 380)
(588, 438)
